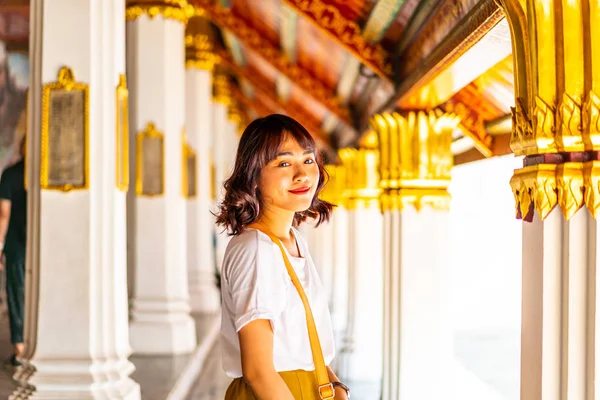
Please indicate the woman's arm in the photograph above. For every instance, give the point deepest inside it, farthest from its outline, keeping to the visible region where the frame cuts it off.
(256, 345)
(339, 392)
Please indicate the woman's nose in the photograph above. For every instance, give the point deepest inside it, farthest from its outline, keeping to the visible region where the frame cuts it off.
(301, 174)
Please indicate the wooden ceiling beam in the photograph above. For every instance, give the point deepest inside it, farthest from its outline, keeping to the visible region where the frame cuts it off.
(500, 147)
(251, 37)
(260, 84)
(347, 33)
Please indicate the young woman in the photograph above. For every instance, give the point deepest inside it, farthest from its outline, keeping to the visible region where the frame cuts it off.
(265, 342)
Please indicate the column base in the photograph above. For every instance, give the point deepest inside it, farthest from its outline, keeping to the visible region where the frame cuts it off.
(152, 332)
(204, 294)
(72, 380)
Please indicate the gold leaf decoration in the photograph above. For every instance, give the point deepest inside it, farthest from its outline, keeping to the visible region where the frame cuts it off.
(544, 126)
(591, 181)
(569, 114)
(591, 119)
(570, 188)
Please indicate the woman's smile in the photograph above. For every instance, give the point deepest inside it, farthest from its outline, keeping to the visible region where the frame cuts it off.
(300, 191)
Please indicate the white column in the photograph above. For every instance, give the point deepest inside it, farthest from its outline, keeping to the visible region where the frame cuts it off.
(76, 334)
(204, 296)
(415, 253)
(339, 305)
(363, 344)
(362, 351)
(415, 168)
(221, 138)
(559, 323)
(161, 323)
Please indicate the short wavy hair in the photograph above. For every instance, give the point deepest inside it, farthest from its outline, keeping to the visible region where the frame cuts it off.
(260, 144)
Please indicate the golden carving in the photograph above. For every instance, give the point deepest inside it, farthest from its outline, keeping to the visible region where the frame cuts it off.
(199, 49)
(569, 178)
(535, 184)
(178, 10)
(221, 89)
(555, 74)
(150, 162)
(591, 119)
(65, 134)
(591, 182)
(253, 38)
(122, 145)
(362, 175)
(346, 32)
(334, 189)
(415, 156)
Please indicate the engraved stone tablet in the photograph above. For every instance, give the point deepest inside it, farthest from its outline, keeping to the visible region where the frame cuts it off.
(64, 153)
(151, 165)
(191, 174)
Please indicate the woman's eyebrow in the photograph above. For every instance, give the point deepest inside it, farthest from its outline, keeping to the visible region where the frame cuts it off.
(289, 153)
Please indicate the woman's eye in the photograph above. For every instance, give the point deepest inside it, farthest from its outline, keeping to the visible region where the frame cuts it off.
(284, 164)
(309, 161)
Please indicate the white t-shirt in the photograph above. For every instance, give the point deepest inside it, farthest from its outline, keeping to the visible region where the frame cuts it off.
(256, 285)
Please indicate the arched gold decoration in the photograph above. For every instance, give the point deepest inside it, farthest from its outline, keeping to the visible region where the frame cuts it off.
(178, 10)
(150, 162)
(415, 158)
(122, 130)
(65, 134)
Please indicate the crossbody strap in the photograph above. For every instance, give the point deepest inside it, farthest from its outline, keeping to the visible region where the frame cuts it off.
(325, 388)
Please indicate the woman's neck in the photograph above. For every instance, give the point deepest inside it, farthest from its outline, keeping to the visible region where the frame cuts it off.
(278, 222)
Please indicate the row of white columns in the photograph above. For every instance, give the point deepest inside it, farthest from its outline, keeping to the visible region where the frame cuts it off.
(78, 332)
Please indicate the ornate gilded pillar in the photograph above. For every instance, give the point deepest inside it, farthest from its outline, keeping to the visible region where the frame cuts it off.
(76, 316)
(415, 173)
(200, 61)
(337, 241)
(556, 128)
(362, 351)
(160, 314)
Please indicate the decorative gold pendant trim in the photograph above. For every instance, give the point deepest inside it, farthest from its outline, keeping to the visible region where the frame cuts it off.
(66, 83)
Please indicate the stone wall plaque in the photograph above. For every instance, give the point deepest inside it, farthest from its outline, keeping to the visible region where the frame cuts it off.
(122, 150)
(189, 172)
(150, 171)
(65, 134)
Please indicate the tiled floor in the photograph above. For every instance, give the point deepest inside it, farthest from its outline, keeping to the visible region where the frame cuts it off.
(156, 375)
(212, 382)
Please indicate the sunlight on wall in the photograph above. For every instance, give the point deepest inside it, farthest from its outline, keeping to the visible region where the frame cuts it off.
(484, 277)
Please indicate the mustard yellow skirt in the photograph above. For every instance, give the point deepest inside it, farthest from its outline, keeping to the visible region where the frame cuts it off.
(302, 384)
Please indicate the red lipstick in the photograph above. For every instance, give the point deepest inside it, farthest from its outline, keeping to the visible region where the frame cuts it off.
(302, 190)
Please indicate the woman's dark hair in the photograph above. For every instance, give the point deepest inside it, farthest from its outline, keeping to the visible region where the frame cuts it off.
(259, 145)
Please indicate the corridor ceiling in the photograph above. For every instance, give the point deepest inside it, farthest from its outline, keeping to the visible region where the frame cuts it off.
(334, 63)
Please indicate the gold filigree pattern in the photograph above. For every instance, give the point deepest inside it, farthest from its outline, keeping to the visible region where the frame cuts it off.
(221, 89)
(347, 33)
(569, 114)
(178, 10)
(252, 38)
(591, 182)
(416, 159)
(535, 184)
(569, 178)
(544, 126)
(361, 177)
(199, 48)
(591, 118)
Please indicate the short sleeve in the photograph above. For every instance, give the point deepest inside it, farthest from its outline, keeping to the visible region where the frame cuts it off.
(5, 192)
(254, 280)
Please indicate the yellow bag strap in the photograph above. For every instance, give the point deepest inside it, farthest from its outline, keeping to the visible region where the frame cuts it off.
(325, 388)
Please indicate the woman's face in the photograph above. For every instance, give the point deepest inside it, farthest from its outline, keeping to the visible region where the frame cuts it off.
(289, 182)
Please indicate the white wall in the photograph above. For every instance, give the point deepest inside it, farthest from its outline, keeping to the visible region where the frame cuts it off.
(484, 274)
